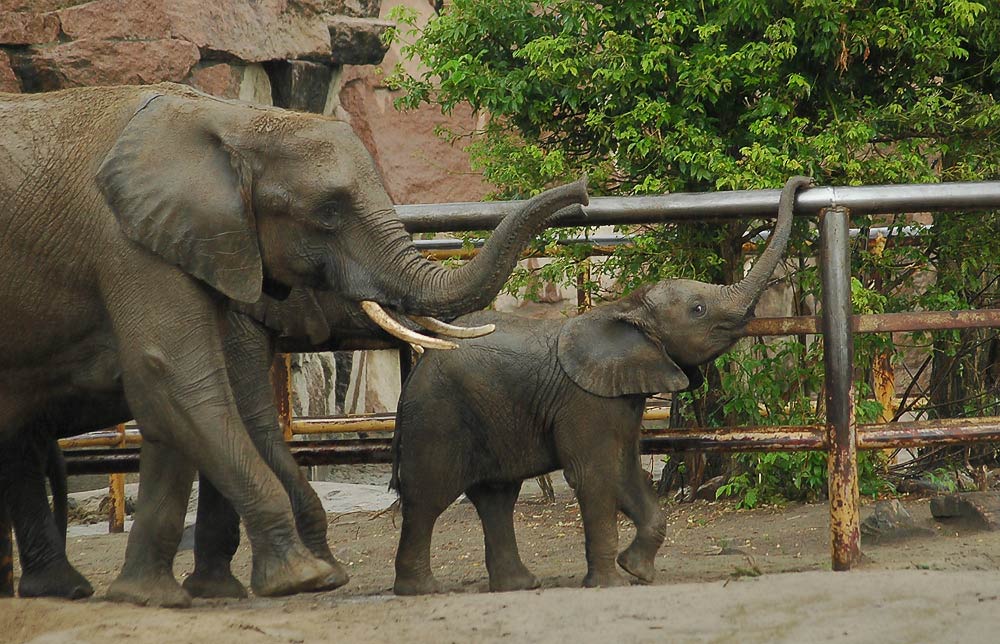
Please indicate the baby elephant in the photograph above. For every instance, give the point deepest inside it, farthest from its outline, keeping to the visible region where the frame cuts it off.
(536, 396)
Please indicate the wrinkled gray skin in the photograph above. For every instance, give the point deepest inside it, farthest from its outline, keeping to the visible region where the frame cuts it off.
(133, 215)
(536, 396)
(306, 320)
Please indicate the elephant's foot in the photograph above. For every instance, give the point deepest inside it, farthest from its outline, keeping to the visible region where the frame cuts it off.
(416, 585)
(335, 579)
(150, 589)
(516, 580)
(297, 571)
(58, 579)
(608, 579)
(214, 583)
(637, 564)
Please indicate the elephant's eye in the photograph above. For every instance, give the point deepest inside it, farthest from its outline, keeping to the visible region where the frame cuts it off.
(698, 310)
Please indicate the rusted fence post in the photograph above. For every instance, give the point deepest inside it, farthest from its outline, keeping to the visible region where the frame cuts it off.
(838, 352)
(116, 492)
(281, 371)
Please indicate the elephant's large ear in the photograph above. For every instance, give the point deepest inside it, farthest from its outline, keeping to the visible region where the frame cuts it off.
(608, 355)
(180, 191)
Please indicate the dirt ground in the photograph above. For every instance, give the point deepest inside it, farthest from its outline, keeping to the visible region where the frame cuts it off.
(724, 575)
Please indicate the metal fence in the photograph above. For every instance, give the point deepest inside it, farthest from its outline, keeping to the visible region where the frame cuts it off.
(116, 451)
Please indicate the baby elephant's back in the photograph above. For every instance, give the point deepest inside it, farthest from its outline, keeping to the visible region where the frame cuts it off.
(519, 350)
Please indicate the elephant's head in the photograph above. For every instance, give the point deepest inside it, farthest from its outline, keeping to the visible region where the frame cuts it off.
(246, 198)
(654, 339)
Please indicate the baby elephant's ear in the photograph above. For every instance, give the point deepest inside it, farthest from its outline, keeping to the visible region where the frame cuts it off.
(182, 193)
(609, 356)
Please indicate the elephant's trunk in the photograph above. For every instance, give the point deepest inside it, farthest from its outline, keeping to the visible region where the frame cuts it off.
(745, 294)
(427, 288)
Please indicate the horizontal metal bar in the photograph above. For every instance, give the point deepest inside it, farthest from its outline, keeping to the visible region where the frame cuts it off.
(947, 431)
(711, 206)
(322, 452)
(377, 449)
(333, 425)
(880, 323)
(735, 439)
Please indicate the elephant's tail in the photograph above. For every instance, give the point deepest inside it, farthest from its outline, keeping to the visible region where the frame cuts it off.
(396, 440)
(55, 471)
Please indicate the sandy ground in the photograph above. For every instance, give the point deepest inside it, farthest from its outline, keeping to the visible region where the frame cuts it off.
(724, 575)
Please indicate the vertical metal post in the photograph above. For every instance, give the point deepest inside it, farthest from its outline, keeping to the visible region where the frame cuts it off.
(838, 351)
(116, 492)
(281, 371)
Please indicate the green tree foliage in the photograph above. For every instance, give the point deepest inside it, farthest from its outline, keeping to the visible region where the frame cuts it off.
(686, 96)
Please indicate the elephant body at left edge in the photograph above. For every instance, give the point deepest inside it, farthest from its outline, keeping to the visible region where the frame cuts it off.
(306, 320)
(129, 217)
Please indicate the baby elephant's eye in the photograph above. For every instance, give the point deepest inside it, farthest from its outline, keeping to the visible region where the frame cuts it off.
(698, 310)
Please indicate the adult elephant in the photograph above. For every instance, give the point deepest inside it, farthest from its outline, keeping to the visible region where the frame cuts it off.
(132, 216)
(306, 320)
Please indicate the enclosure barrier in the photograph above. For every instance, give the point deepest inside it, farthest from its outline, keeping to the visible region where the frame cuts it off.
(840, 437)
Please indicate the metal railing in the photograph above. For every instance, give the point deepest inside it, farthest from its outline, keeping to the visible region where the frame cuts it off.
(840, 437)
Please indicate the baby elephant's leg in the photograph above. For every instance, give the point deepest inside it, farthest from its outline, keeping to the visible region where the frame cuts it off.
(640, 505)
(596, 492)
(413, 556)
(495, 505)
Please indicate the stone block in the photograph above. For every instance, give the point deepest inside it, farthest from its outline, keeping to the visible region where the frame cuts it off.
(8, 80)
(105, 62)
(116, 19)
(357, 41)
(253, 32)
(255, 86)
(890, 521)
(26, 28)
(38, 6)
(300, 85)
(232, 80)
(218, 79)
(975, 509)
(354, 8)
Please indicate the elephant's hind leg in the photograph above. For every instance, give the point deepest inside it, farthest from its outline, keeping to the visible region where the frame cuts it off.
(216, 538)
(413, 556)
(495, 505)
(45, 570)
(640, 505)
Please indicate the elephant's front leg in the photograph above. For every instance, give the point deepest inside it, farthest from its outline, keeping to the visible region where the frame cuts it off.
(177, 387)
(147, 578)
(596, 491)
(640, 505)
(249, 357)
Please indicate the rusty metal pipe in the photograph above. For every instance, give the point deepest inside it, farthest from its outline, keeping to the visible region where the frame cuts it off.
(880, 323)
(838, 357)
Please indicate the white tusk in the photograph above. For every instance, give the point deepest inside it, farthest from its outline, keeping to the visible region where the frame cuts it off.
(394, 328)
(437, 326)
